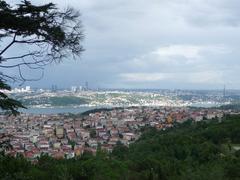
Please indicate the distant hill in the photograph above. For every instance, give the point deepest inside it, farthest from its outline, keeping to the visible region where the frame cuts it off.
(55, 101)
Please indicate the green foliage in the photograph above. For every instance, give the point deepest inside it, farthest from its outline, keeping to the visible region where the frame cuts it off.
(98, 110)
(93, 133)
(66, 100)
(55, 101)
(120, 151)
(194, 151)
(42, 24)
(7, 103)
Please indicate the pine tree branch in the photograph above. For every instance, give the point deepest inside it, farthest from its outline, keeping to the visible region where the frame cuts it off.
(9, 45)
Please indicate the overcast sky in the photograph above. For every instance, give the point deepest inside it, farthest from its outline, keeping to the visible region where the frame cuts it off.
(186, 44)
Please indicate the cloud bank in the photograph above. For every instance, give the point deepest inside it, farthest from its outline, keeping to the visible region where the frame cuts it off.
(154, 44)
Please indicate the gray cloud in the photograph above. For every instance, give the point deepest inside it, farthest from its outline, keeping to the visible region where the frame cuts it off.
(154, 44)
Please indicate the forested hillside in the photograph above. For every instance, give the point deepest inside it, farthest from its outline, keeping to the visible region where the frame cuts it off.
(204, 150)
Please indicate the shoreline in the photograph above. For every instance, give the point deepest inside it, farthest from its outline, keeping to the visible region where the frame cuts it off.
(81, 109)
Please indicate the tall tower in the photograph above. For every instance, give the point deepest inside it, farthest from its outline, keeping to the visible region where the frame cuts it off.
(86, 85)
(224, 91)
(54, 88)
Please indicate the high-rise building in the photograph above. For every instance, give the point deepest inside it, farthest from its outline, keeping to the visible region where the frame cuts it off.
(80, 88)
(54, 88)
(224, 90)
(74, 89)
(28, 88)
(86, 85)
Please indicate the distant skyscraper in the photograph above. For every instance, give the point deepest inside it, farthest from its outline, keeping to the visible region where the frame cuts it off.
(80, 88)
(224, 90)
(54, 88)
(28, 88)
(86, 85)
(74, 88)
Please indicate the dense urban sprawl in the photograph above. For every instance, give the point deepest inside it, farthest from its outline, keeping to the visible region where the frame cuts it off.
(66, 136)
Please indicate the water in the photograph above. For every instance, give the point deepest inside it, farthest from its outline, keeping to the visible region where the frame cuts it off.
(75, 110)
(205, 105)
(56, 110)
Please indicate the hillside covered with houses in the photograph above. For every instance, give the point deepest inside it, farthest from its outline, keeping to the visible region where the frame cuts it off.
(192, 149)
(68, 136)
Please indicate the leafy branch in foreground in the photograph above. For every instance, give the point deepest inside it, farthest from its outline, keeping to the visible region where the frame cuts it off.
(37, 35)
(7, 103)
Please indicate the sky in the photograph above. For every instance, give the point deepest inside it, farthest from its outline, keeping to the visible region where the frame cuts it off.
(152, 44)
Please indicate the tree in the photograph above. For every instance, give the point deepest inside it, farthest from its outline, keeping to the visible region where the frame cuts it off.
(39, 35)
(93, 133)
(7, 103)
